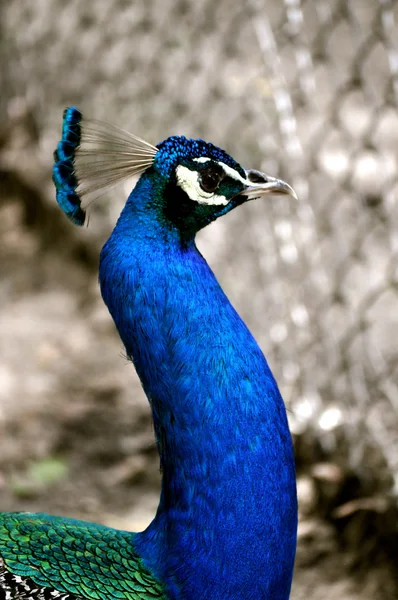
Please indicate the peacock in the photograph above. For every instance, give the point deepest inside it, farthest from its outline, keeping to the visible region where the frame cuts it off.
(226, 524)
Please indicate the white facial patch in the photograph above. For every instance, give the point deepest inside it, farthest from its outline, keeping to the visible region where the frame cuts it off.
(189, 182)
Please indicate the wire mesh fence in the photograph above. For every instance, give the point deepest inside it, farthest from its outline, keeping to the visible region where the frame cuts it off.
(303, 89)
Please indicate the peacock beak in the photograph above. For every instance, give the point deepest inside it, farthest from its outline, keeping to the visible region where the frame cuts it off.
(260, 184)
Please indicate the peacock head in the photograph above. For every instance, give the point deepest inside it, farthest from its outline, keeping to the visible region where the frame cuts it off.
(195, 181)
(202, 182)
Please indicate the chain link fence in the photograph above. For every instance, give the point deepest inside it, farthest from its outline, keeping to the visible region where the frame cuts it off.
(302, 89)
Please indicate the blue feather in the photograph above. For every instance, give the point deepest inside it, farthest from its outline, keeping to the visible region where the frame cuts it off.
(228, 512)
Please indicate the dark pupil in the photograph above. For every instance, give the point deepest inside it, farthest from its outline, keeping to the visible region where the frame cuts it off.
(210, 178)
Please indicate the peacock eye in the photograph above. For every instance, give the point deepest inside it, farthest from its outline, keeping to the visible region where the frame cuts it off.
(211, 177)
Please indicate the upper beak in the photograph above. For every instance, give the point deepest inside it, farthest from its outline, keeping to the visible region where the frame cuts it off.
(259, 184)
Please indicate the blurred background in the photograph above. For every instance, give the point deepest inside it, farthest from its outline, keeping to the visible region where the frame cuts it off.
(303, 89)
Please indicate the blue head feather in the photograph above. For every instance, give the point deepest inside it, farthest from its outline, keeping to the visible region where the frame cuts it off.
(179, 149)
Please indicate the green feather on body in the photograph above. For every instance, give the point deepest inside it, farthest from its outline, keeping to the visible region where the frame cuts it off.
(76, 557)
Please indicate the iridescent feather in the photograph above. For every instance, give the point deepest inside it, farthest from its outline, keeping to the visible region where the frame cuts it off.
(44, 557)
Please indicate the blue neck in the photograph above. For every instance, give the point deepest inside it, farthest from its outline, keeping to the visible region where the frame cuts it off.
(226, 523)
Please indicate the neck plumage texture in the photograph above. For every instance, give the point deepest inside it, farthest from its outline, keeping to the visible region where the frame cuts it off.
(226, 522)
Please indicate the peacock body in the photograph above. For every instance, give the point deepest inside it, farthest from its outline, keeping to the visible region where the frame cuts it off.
(226, 523)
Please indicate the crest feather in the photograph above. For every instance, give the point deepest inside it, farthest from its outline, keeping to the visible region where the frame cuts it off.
(92, 156)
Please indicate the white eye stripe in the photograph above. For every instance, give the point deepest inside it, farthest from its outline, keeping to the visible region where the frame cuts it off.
(202, 159)
(232, 173)
(189, 182)
(229, 171)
